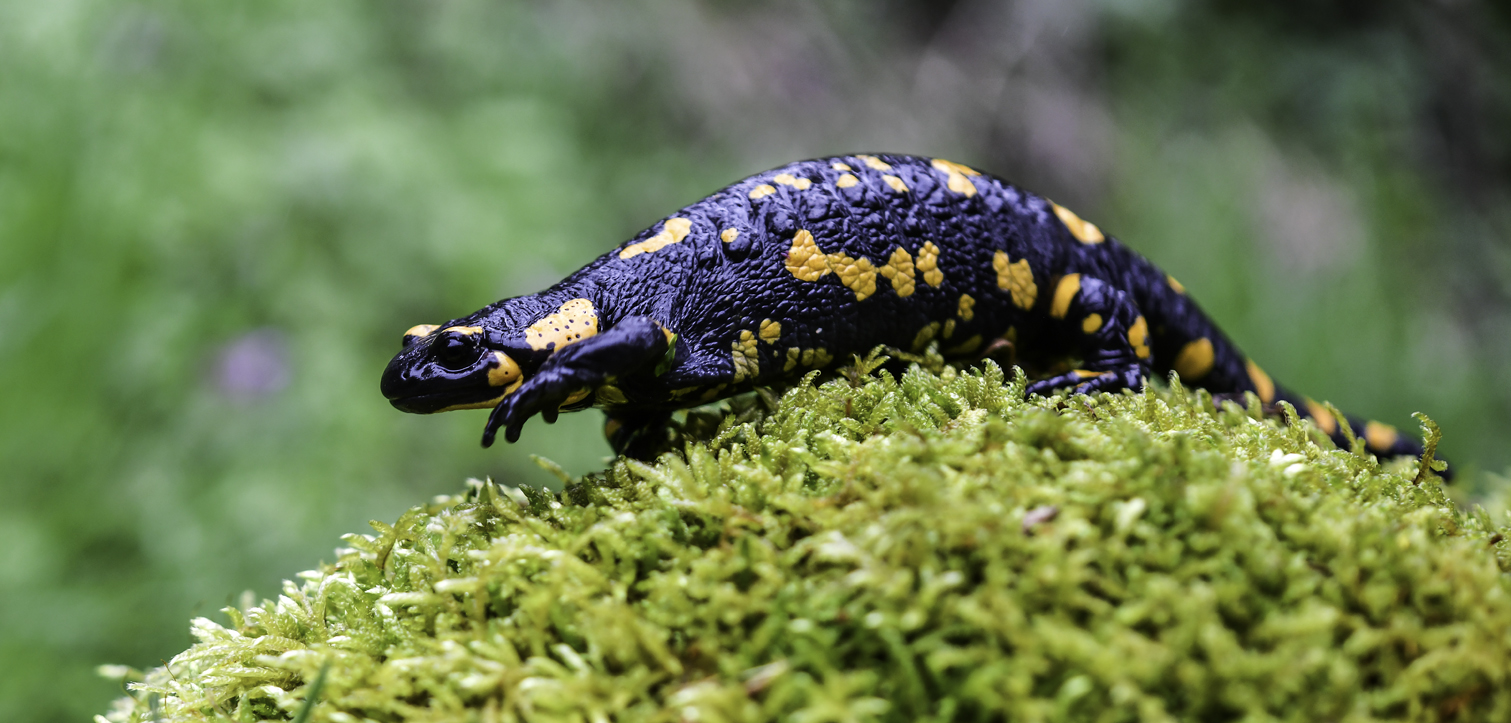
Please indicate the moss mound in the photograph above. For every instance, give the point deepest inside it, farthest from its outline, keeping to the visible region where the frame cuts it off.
(930, 547)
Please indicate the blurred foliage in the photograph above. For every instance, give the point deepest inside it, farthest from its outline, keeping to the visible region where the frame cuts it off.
(216, 219)
(925, 548)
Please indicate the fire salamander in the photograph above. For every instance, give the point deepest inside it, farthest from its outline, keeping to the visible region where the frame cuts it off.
(792, 269)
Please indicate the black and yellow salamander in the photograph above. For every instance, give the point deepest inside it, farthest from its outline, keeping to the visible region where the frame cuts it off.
(792, 269)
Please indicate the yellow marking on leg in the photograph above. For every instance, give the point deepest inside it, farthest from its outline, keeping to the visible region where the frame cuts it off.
(1138, 337)
(1065, 292)
(857, 274)
(805, 260)
(792, 358)
(420, 330)
(1092, 323)
(1084, 231)
(875, 163)
(729, 235)
(949, 329)
(673, 231)
(1088, 374)
(895, 183)
(956, 176)
(899, 271)
(1016, 278)
(966, 311)
(771, 331)
(747, 359)
(1380, 437)
(925, 335)
(572, 322)
(1194, 360)
(846, 181)
(610, 396)
(762, 191)
(965, 347)
(821, 357)
(1321, 417)
(684, 391)
(713, 393)
(575, 397)
(1263, 386)
(611, 425)
(807, 357)
(1176, 285)
(928, 263)
(464, 330)
(787, 179)
(505, 371)
(841, 166)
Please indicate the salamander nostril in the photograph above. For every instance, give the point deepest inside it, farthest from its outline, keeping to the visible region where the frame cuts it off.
(455, 352)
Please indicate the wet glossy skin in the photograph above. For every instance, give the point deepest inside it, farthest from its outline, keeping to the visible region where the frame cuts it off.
(792, 269)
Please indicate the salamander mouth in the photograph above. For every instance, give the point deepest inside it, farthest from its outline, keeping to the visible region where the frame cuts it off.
(447, 401)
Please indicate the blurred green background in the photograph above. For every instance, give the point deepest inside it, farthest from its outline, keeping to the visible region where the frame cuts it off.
(217, 218)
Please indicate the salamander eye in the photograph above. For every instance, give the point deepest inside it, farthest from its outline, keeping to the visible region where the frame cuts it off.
(455, 352)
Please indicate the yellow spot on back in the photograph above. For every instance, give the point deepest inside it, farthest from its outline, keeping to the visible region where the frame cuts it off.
(899, 271)
(1091, 323)
(1017, 279)
(771, 331)
(896, 183)
(1138, 337)
(465, 330)
(841, 166)
(928, 263)
(1323, 418)
(1179, 289)
(1084, 231)
(805, 260)
(762, 191)
(925, 335)
(965, 347)
(673, 231)
(858, 274)
(729, 235)
(787, 179)
(504, 372)
(1263, 386)
(1380, 437)
(572, 322)
(1065, 292)
(875, 163)
(966, 310)
(1194, 359)
(420, 330)
(956, 176)
(846, 181)
(792, 358)
(747, 360)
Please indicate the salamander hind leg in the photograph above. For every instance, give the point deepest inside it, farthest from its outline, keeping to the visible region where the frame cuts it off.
(1112, 335)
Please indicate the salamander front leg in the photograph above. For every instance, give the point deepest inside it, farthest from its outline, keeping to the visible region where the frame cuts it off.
(1114, 337)
(576, 371)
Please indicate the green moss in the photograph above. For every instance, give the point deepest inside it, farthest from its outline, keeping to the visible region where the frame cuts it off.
(929, 547)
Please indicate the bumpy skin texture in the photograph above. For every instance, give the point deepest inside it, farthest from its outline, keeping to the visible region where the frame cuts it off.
(794, 268)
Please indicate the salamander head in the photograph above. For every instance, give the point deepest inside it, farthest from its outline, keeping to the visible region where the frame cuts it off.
(473, 362)
(455, 367)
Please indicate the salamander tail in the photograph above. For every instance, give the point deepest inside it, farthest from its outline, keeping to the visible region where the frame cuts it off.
(1380, 439)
